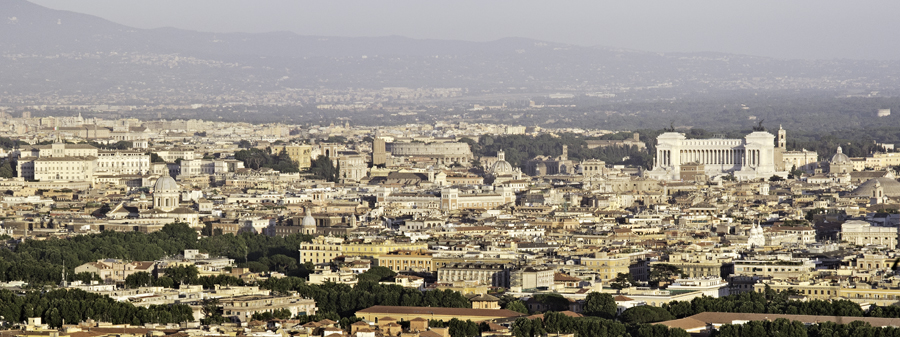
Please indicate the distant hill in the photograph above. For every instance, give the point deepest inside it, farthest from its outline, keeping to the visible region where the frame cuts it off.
(46, 51)
(30, 28)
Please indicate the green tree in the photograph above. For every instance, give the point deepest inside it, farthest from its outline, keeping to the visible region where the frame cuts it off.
(600, 305)
(7, 143)
(663, 272)
(86, 277)
(622, 281)
(164, 281)
(283, 263)
(554, 302)
(139, 279)
(212, 311)
(6, 169)
(376, 274)
(183, 274)
(517, 306)
(796, 173)
(323, 168)
(645, 314)
(254, 158)
(155, 158)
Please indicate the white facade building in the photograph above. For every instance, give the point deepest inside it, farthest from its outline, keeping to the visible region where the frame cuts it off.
(750, 158)
(862, 233)
(122, 162)
(710, 286)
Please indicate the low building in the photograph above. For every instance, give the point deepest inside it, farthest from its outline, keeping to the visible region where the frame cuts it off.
(532, 278)
(709, 286)
(242, 308)
(407, 260)
(112, 270)
(492, 274)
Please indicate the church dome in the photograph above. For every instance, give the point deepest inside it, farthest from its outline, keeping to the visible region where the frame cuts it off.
(165, 184)
(840, 157)
(308, 220)
(890, 186)
(501, 167)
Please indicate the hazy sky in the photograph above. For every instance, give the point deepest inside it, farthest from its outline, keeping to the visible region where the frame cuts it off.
(780, 28)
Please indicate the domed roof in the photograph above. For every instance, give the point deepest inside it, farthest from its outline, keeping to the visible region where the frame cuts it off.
(890, 186)
(308, 220)
(501, 167)
(840, 157)
(165, 184)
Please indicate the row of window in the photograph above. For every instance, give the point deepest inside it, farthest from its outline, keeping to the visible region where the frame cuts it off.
(123, 164)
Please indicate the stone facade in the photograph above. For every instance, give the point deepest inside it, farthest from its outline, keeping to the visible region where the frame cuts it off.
(492, 274)
(445, 153)
(750, 158)
(862, 233)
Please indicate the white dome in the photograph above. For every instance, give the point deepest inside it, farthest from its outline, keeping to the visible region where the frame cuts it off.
(165, 184)
(308, 220)
(839, 157)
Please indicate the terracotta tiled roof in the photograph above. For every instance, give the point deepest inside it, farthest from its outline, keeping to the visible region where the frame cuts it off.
(686, 323)
(560, 277)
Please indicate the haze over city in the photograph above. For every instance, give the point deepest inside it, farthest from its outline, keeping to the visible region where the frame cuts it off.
(786, 29)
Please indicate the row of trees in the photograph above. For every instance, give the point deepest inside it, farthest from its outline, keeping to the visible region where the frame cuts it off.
(376, 274)
(521, 148)
(459, 328)
(555, 322)
(344, 322)
(7, 143)
(768, 302)
(255, 158)
(41, 262)
(120, 145)
(266, 316)
(783, 328)
(179, 275)
(58, 306)
(346, 300)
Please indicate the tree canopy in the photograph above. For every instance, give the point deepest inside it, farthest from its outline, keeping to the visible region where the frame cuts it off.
(323, 168)
(521, 148)
(73, 305)
(255, 159)
(600, 305)
(42, 261)
(346, 300)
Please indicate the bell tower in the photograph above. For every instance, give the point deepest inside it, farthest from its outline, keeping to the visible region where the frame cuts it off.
(782, 138)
